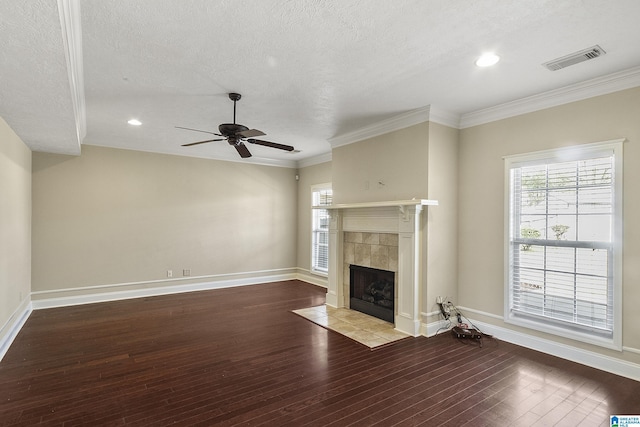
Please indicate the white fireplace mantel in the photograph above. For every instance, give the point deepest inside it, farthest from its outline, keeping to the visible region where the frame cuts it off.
(401, 217)
(399, 203)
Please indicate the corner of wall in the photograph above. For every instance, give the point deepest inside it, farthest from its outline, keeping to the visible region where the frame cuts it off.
(15, 227)
(9, 331)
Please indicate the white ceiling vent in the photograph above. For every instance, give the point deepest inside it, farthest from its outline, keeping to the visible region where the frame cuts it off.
(575, 58)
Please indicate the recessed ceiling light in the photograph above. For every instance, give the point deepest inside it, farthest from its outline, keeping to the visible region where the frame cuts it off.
(487, 60)
(134, 122)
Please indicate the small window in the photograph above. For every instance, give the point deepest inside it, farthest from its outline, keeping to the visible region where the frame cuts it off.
(564, 242)
(321, 195)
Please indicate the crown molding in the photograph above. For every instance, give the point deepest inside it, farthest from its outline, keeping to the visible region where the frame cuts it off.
(391, 124)
(254, 160)
(315, 160)
(444, 117)
(621, 80)
(588, 89)
(400, 121)
(71, 23)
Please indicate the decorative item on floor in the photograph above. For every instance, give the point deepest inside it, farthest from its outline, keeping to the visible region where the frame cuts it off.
(466, 332)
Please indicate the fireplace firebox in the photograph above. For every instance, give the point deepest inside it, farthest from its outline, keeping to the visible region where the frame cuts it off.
(372, 291)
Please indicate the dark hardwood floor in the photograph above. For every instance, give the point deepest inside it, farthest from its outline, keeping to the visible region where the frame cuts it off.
(238, 356)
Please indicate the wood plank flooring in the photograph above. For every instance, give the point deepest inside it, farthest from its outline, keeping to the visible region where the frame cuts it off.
(238, 356)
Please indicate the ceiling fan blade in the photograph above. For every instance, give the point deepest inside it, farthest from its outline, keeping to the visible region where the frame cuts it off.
(201, 142)
(250, 133)
(198, 130)
(242, 150)
(270, 144)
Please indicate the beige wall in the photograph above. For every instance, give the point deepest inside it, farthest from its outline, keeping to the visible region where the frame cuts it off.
(115, 216)
(442, 221)
(399, 159)
(419, 162)
(15, 227)
(481, 199)
(308, 176)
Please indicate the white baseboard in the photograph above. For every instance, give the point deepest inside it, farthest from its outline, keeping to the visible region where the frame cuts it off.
(408, 326)
(574, 354)
(10, 329)
(105, 293)
(564, 351)
(115, 292)
(16, 321)
(314, 279)
(431, 329)
(119, 291)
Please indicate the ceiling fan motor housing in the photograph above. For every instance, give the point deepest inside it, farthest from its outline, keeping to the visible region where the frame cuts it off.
(231, 129)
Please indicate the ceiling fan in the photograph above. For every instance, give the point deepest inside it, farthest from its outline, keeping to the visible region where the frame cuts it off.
(237, 134)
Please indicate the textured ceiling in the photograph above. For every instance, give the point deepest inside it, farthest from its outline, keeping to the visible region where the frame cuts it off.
(308, 70)
(35, 93)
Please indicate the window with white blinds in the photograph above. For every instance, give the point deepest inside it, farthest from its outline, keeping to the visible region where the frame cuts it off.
(562, 241)
(321, 195)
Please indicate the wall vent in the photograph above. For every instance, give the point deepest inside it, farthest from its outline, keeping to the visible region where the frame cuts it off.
(575, 58)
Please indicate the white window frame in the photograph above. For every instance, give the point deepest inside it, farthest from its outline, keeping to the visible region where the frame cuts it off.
(614, 147)
(316, 213)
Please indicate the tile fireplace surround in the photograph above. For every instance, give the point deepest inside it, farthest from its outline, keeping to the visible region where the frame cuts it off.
(401, 218)
(374, 250)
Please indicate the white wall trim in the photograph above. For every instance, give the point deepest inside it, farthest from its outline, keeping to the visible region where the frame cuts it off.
(199, 279)
(114, 292)
(574, 354)
(400, 121)
(101, 293)
(603, 85)
(391, 124)
(483, 313)
(631, 349)
(13, 325)
(444, 117)
(305, 275)
(564, 351)
(431, 329)
(224, 157)
(622, 80)
(71, 23)
(315, 160)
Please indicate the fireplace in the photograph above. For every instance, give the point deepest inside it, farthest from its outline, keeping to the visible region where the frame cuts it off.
(401, 218)
(372, 291)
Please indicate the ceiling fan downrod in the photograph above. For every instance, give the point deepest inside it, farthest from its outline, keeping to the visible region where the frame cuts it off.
(234, 97)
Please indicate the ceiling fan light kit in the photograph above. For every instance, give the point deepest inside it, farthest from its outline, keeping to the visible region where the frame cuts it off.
(236, 134)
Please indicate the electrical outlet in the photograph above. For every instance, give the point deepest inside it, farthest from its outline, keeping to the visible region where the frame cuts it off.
(169, 273)
(186, 272)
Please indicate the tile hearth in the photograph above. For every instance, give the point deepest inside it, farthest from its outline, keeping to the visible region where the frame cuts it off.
(365, 329)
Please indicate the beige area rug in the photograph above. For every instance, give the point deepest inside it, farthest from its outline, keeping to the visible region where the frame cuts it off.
(360, 327)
